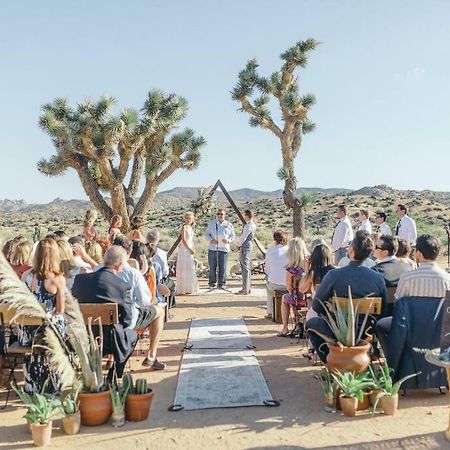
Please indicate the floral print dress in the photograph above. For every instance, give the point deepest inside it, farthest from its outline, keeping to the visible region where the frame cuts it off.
(295, 298)
(36, 368)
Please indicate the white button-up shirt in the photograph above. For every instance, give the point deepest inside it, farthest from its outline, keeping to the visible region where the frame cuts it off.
(407, 229)
(384, 229)
(219, 231)
(276, 261)
(343, 234)
(366, 226)
(249, 229)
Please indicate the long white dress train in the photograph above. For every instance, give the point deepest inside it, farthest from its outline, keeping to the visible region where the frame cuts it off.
(186, 278)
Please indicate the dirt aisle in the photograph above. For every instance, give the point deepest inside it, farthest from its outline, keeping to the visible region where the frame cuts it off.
(300, 421)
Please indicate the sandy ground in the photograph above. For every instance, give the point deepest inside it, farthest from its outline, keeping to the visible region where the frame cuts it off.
(300, 422)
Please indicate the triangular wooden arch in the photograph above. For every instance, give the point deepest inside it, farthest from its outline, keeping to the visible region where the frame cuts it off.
(236, 210)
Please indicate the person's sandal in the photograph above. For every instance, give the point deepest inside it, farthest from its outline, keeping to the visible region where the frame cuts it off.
(154, 364)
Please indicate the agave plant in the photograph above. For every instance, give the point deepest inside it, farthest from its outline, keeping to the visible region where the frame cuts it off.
(344, 322)
(71, 403)
(90, 359)
(326, 382)
(118, 397)
(353, 385)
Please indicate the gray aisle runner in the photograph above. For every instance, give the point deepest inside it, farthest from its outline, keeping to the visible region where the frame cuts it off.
(219, 371)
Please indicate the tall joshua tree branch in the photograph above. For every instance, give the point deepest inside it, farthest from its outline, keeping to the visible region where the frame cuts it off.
(103, 149)
(254, 92)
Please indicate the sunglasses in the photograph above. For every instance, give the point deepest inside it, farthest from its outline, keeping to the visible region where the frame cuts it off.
(378, 247)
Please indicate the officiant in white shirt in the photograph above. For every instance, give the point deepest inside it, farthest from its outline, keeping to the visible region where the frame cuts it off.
(219, 234)
(406, 227)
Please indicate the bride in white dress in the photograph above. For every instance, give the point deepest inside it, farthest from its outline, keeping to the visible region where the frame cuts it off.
(186, 277)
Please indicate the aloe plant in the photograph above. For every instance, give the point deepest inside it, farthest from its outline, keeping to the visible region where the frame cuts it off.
(353, 385)
(326, 382)
(71, 403)
(344, 323)
(90, 359)
(118, 397)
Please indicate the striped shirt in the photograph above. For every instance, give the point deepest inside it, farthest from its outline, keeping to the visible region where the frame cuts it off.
(428, 280)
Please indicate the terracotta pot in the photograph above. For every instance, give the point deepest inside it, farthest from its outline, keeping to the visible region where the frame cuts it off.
(95, 407)
(389, 404)
(41, 433)
(365, 402)
(349, 405)
(329, 401)
(118, 419)
(137, 406)
(348, 359)
(28, 427)
(373, 396)
(71, 423)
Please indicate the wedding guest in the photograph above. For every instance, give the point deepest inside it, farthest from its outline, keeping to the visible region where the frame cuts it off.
(297, 255)
(20, 258)
(135, 233)
(275, 266)
(95, 251)
(403, 254)
(382, 228)
(89, 232)
(69, 268)
(114, 227)
(47, 283)
(365, 224)
(406, 227)
(186, 281)
(219, 234)
(342, 234)
(245, 251)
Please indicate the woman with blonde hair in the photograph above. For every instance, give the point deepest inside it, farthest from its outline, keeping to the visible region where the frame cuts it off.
(89, 232)
(114, 227)
(20, 258)
(186, 278)
(47, 283)
(298, 263)
(68, 265)
(95, 251)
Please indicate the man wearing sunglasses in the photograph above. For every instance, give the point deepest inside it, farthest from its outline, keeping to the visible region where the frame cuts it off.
(219, 234)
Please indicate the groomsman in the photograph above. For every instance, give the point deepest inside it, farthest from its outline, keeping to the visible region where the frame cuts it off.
(365, 224)
(245, 251)
(342, 234)
(382, 228)
(406, 227)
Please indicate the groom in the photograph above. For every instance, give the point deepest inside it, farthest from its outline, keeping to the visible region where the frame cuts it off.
(219, 234)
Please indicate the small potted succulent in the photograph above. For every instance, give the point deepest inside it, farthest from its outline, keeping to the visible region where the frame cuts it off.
(72, 419)
(328, 387)
(352, 389)
(138, 400)
(41, 410)
(388, 390)
(118, 398)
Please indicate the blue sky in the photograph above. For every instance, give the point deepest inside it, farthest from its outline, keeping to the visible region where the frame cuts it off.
(381, 78)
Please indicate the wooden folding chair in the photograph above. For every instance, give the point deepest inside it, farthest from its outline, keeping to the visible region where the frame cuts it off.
(14, 352)
(372, 305)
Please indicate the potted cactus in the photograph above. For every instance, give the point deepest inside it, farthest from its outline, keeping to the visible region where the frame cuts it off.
(328, 387)
(352, 390)
(41, 410)
(72, 419)
(118, 397)
(139, 398)
(95, 399)
(388, 390)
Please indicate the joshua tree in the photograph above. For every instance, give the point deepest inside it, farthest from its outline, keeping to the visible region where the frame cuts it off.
(111, 153)
(283, 87)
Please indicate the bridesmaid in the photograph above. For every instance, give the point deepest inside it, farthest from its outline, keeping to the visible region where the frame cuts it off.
(186, 277)
(89, 232)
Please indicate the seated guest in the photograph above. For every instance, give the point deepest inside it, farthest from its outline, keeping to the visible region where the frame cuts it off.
(138, 253)
(141, 298)
(160, 258)
(20, 258)
(94, 251)
(428, 280)
(104, 286)
(77, 243)
(368, 262)
(69, 268)
(365, 224)
(382, 228)
(362, 281)
(403, 254)
(275, 267)
(296, 266)
(387, 263)
(321, 262)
